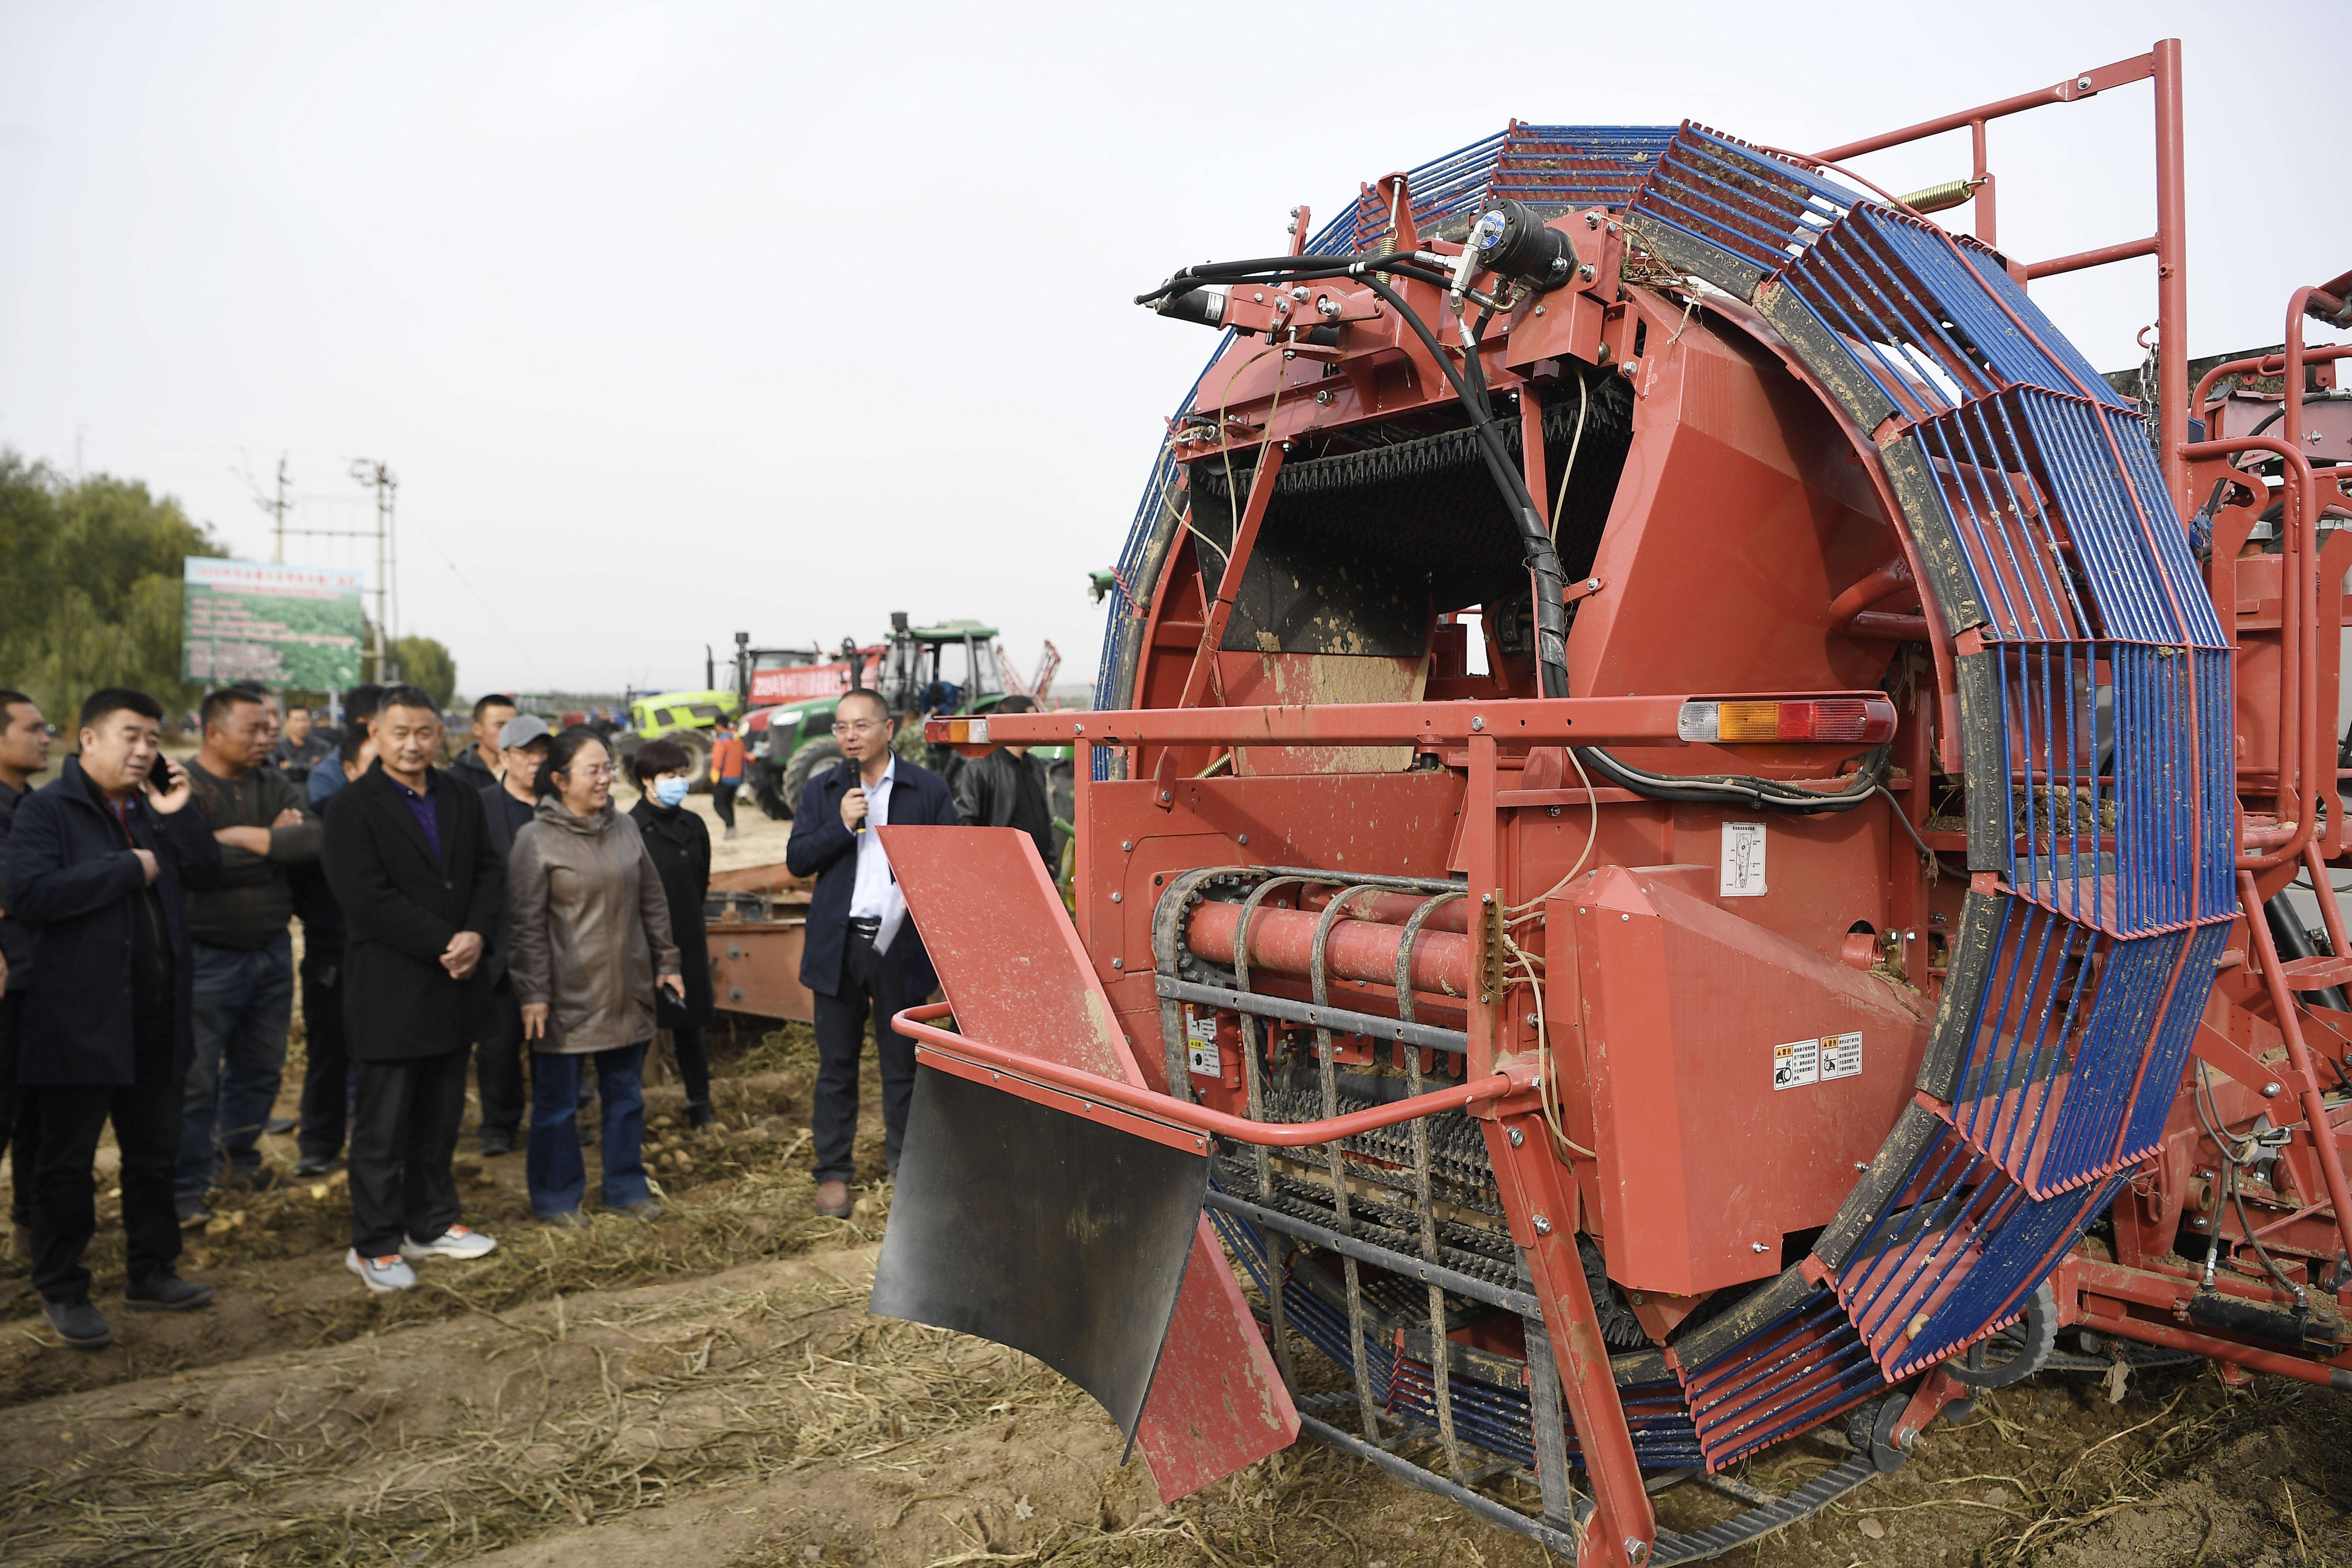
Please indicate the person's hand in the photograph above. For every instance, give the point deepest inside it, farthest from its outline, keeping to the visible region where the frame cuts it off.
(175, 794)
(252, 840)
(672, 984)
(464, 951)
(290, 817)
(534, 1020)
(146, 862)
(852, 808)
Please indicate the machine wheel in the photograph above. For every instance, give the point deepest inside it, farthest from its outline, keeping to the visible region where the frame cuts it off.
(1871, 1431)
(812, 759)
(697, 759)
(2015, 1353)
(765, 784)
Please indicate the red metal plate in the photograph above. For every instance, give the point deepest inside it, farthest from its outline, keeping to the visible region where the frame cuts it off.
(1014, 973)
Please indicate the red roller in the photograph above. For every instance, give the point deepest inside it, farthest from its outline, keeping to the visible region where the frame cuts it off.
(1283, 940)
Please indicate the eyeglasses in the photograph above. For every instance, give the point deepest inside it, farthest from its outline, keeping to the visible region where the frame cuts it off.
(857, 727)
(600, 771)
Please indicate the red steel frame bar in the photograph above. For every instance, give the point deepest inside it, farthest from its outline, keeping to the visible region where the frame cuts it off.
(2264, 364)
(2168, 244)
(1549, 720)
(2311, 751)
(916, 1021)
(2315, 1107)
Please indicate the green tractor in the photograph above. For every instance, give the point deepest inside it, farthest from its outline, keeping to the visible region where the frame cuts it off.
(687, 718)
(950, 667)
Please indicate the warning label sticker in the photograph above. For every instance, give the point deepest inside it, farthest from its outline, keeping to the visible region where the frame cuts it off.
(1200, 1037)
(1743, 861)
(1841, 1055)
(1816, 1060)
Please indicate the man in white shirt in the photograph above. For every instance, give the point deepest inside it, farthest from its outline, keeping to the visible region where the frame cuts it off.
(861, 960)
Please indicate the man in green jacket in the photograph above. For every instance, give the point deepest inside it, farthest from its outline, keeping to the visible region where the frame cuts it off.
(243, 955)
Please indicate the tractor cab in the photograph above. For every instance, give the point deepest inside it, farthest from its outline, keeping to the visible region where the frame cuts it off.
(950, 667)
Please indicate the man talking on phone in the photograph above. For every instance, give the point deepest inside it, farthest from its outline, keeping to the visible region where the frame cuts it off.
(861, 956)
(96, 863)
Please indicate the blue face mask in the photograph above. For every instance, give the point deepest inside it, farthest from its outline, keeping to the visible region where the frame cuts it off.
(671, 792)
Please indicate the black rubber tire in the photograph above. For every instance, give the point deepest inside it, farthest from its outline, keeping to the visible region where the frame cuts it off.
(764, 784)
(697, 746)
(808, 760)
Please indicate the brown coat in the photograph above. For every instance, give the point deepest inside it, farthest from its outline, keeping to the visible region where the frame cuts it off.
(590, 928)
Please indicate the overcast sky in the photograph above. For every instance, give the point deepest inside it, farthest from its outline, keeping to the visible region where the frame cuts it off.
(677, 320)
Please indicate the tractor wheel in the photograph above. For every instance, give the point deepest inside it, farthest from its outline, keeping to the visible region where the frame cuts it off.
(812, 759)
(765, 784)
(697, 758)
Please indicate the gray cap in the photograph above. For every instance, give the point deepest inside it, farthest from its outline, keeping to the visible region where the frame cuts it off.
(522, 730)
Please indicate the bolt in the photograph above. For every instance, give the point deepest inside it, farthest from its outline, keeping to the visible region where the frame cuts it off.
(1324, 397)
(1539, 309)
(1529, 1020)
(1118, 898)
(1553, 811)
(1290, 227)
(1078, 728)
(1637, 1551)
(1861, 1164)
(1517, 1137)
(1119, 964)
(2082, 84)
(1240, 839)
(1299, 293)
(1294, 212)
(1164, 794)
(1128, 845)
(1592, 585)
(1486, 897)
(1585, 272)
(1758, 1246)
(1625, 917)
(1543, 1225)
(1592, 220)
(2269, 1091)
(1259, 296)
(1476, 722)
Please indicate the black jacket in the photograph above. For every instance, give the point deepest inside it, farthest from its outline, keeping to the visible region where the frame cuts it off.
(73, 879)
(16, 936)
(499, 819)
(988, 793)
(680, 846)
(467, 769)
(403, 903)
(822, 848)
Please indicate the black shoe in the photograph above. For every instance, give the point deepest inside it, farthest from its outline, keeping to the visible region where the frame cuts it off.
(78, 1323)
(496, 1142)
(279, 1126)
(165, 1293)
(314, 1165)
(700, 1114)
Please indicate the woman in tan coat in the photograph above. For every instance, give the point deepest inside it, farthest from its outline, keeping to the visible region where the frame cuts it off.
(591, 934)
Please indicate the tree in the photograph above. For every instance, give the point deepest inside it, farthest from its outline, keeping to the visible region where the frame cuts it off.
(91, 595)
(425, 662)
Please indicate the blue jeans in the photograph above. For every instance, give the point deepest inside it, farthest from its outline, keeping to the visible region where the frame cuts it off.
(552, 1166)
(244, 1003)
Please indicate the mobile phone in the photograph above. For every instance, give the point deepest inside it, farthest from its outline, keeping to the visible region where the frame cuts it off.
(162, 777)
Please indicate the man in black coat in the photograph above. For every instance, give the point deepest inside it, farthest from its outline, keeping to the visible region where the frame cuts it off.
(23, 751)
(409, 856)
(1008, 788)
(96, 863)
(861, 953)
(507, 807)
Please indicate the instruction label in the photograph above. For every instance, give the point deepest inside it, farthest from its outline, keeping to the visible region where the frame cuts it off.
(1817, 1060)
(1201, 1043)
(1743, 861)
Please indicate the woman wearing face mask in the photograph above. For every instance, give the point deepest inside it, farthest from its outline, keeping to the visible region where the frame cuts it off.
(590, 935)
(680, 846)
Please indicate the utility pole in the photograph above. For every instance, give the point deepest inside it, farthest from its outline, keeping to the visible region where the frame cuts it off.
(378, 477)
(276, 509)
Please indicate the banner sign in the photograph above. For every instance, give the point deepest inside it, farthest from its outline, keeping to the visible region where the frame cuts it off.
(298, 626)
(803, 681)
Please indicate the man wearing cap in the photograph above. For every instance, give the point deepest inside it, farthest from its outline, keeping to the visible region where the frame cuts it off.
(509, 803)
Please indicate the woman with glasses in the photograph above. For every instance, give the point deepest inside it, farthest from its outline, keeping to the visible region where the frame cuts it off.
(861, 957)
(591, 934)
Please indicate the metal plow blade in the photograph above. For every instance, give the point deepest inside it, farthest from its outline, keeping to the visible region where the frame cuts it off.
(1053, 1226)
(1041, 1230)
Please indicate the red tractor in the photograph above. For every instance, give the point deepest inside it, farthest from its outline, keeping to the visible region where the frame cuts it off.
(1694, 838)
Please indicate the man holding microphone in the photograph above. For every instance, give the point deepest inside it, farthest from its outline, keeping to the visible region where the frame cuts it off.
(861, 956)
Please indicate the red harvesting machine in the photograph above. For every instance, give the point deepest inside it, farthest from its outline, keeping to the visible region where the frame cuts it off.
(1698, 836)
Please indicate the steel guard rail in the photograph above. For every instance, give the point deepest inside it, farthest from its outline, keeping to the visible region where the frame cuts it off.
(1520, 1079)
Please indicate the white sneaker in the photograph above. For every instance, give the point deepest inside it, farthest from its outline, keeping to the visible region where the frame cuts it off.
(455, 1242)
(381, 1275)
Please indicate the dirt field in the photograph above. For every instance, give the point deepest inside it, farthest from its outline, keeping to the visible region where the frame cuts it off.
(708, 1390)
